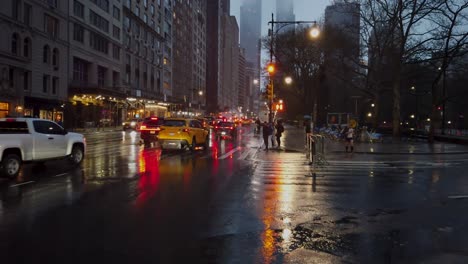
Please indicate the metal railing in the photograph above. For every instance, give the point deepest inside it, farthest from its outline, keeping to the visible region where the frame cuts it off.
(315, 153)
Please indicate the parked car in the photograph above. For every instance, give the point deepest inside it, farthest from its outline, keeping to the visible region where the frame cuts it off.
(149, 129)
(181, 133)
(25, 140)
(131, 123)
(224, 130)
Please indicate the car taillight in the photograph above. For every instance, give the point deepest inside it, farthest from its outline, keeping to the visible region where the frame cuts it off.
(216, 127)
(231, 128)
(185, 130)
(158, 129)
(154, 118)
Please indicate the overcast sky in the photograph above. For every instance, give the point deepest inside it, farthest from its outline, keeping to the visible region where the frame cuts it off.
(303, 9)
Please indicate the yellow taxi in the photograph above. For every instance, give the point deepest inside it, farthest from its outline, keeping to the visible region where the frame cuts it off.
(183, 133)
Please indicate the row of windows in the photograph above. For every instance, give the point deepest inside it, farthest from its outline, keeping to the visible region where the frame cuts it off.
(96, 41)
(103, 4)
(80, 73)
(50, 84)
(46, 54)
(98, 21)
(16, 45)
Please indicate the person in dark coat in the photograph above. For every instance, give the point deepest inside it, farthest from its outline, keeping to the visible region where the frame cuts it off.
(279, 132)
(267, 131)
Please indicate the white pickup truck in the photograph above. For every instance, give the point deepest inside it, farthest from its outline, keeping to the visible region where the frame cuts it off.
(24, 140)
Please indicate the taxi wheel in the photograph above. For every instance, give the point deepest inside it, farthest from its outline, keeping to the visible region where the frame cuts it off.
(194, 144)
(206, 146)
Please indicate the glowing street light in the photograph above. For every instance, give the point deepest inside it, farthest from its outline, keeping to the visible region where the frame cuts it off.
(314, 32)
(288, 80)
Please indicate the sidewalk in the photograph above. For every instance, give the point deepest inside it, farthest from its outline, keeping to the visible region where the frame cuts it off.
(294, 140)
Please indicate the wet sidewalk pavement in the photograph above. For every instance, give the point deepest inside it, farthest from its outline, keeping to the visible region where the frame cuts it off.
(294, 140)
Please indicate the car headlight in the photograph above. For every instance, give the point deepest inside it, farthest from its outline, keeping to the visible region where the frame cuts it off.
(133, 123)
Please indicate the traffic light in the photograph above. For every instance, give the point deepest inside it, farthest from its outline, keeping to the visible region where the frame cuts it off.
(269, 91)
(271, 68)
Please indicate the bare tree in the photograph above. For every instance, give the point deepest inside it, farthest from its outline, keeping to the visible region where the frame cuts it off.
(450, 40)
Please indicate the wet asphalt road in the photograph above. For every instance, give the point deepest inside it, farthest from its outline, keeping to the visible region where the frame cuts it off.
(235, 203)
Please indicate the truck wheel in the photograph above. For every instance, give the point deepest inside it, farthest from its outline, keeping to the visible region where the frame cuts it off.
(77, 155)
(11, 165)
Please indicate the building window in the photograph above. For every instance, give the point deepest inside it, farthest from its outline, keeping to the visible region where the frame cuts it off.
(116, 13)
(116, 32)
(137, 11)
(145, 18)
(101, 75)
(55, 82)
(115, 79)
(52, 3)
(116, 52)
(15, 4)
(27, 14)
(128, 3)
(14, 43)
(78, 33)
(152, 9)
(98, 21)
(55, 58)
(152, 24)
(145, 3)
(11, 77)
(103, 4)
(98, 42)
(51, 26)
(46, 54)
(27, 47)
(159, 3)
(78, 9)
(126, 22)
(26, 81)
(45, 83)
(80, 70)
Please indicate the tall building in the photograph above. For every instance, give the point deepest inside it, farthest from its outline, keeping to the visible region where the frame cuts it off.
(342, 21)
(285, 12)
(147, 40)
(250, 40)
(95, 58)
(216, 9)
(33, 58)
(189, 69)
(250, 30)
(228, 94)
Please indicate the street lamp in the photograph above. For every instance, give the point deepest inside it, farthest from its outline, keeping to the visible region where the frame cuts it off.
(314, 33)
(288, 80)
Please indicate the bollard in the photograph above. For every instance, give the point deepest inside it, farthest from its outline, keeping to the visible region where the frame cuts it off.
(316, 150)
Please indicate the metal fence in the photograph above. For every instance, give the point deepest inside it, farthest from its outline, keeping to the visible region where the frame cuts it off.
(316, 150)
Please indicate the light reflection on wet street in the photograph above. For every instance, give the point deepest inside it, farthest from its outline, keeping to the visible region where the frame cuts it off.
(232, 203)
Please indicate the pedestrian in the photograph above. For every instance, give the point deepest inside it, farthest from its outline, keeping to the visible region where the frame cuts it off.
(279, 132)
(308, 130)
(349, 136)
(272, 132)
(267, 131)
(259, 124)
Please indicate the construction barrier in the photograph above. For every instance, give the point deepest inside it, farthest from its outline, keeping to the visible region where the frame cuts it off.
(316, 150)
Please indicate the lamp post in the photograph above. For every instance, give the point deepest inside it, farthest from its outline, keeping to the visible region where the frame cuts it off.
(314, 33)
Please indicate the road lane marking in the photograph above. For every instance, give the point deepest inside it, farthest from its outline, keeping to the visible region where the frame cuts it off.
(59, 175)
(458, 197)
(229, 153)
(19, 184)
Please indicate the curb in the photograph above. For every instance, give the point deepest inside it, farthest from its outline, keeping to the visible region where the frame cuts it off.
(398, 153)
